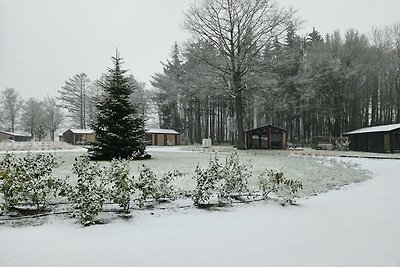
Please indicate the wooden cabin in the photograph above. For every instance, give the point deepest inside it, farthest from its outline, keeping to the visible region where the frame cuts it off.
(78, 136)
(163, 137)
(266, 137)
(378, 139)
(7, 136)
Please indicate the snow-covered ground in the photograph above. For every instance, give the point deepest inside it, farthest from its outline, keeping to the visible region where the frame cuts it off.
(356, 226)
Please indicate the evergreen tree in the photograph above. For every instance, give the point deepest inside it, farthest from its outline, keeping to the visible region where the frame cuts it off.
(118, 126)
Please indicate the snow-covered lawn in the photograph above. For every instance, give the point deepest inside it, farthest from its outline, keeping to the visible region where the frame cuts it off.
(358, 225)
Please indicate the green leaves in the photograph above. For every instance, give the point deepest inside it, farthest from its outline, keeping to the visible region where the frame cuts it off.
(149, 187)
(27, 180)
(89, 194)
(226, 180)
(122, 185)
(275, 182)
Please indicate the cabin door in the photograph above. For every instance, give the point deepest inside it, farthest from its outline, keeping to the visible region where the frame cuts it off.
(386, 143)
(165, 140)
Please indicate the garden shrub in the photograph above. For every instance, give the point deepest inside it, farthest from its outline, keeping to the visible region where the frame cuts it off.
(89, 194)
(146, 185)
(227, 181)
(165, 190)
(205, 185)
(275, 182)
(28, 180)
(235, 177)
(149, 187)
(122, 185)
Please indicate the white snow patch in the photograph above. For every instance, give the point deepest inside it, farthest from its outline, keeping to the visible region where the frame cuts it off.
(356, 226)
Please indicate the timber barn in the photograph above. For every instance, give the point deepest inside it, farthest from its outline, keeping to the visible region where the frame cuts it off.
(163, 137)
(266, 137)
(78, 136)
(7, 136)
(379, 139)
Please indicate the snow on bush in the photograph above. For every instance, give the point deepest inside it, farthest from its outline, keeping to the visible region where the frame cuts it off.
(275, 182)
(89, 194)
(149, 187)
(226, 180)
(146, 185)
(122, 185)
(27, 180)
(165, 189)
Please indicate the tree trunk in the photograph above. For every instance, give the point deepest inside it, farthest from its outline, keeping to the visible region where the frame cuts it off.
(237, 80)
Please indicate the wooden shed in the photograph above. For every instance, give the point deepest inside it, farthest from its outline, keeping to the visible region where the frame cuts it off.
(266, 137)
(14, 137)
(78, 136)
(163, 137)
(379, 139)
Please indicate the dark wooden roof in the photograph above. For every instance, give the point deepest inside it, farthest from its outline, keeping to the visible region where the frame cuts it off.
(264, 127)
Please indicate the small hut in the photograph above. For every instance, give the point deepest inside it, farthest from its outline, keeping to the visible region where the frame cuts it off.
(78, 136)
(266, 137)
(7, 136)
(163, 137)
(379, 139)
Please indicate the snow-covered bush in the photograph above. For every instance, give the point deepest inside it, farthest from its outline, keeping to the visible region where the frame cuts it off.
(227, 181)
(122, 185)
(275, 182)
(28, 180)
(165, 190)
(146, 185)
(149, 187)
(234, 176)
(205, 185)
(89, 194)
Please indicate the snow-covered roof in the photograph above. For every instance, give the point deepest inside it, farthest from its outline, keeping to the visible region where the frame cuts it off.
(81, 131)
(161, 131)
(374, 129)
(16, 134)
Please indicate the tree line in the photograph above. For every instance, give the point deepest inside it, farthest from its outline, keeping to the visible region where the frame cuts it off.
(80, 94)
(32, 116)
(247, 66)
(74, 106)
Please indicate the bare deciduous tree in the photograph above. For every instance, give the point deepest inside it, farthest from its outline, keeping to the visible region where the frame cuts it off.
(238, 29)
(32, 111)
(53, 115)
(74, 97)
(11, 104)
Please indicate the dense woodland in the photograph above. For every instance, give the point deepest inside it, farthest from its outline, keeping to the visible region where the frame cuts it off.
(245, 66)
(313, 86)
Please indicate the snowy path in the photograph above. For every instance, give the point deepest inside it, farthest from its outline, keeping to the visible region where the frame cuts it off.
(356, 226)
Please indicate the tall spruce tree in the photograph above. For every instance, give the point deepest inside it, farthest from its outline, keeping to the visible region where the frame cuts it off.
(118, 126)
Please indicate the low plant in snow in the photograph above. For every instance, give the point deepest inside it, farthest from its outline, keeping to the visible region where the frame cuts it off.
(165, 190)
(226, 180)
(275, 182)
(149, 187)
(89, 194)
(205, 185)
(146, 185)
(28, 180)
(122, 185)
(235, 177)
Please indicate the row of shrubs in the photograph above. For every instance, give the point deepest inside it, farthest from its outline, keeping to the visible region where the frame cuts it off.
(29, 180)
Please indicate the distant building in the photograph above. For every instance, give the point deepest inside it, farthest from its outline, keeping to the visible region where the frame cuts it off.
(78, 136)
(379, 139)
(163, 137)
(7, 136)
(266, 137)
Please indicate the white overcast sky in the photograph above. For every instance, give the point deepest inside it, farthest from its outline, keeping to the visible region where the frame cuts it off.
(44, 42)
